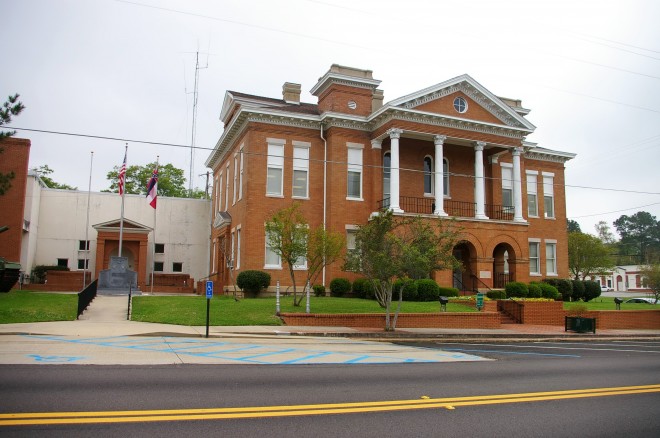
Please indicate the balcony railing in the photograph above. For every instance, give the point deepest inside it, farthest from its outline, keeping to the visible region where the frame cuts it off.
(411, 204)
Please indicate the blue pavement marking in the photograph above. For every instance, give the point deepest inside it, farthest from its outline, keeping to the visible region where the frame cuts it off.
(55, 359)
(227, 351)
(511, 352)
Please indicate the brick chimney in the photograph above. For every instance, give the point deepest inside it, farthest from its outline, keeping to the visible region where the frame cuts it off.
(291, 93)
(377, 99)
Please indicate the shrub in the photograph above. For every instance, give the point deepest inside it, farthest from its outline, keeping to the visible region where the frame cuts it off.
(516, 289)
(448, 292)
(578, 290)
(360, 287)
(427, 290)
(591, 290)
(339, 286)
(534, 290)
(253, 281)
(409, 289)
(564, 286)
(496, 294)
(319, 290)
(39, 272)
(549, 291)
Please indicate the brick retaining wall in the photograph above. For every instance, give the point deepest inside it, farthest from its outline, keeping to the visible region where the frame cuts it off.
(484, 320)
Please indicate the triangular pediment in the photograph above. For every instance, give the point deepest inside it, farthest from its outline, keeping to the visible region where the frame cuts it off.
(480, 104)
(129, 226)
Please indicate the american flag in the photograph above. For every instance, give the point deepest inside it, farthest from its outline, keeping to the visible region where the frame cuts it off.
(122, 175)
(152, 188)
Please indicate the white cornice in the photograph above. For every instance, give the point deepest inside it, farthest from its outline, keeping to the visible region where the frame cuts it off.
(542, 154)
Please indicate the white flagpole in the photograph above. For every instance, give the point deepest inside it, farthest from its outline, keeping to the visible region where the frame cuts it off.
(89, 193)
(153, 249)
(121, 220)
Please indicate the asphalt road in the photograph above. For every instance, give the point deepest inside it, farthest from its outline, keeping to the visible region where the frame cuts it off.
(537, 389)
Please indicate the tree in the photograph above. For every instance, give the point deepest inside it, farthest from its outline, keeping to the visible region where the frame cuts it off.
(640, 236)
(604, 232)
(44, 172)
(651, 277)
(324, 247)
(171, 180)
(287, 233)
(387, 248)
(11, 107)
(290, 237)
(573, 226)
(587, 255)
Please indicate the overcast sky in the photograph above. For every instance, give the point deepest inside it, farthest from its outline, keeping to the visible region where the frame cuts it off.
(588, 70)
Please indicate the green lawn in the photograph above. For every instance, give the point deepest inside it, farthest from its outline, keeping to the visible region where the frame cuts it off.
(26, 306)
(257, 311)
(607, 303)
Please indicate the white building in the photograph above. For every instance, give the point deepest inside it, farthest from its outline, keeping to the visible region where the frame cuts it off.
(57, 231)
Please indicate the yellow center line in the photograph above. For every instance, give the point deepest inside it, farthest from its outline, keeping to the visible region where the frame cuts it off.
(19, 419)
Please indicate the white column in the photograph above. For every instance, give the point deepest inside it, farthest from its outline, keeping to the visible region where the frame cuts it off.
(395, 134)
(517, 186)
(439, 185)
(479, 182)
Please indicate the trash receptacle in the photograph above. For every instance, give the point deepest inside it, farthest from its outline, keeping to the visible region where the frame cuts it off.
(443, 304)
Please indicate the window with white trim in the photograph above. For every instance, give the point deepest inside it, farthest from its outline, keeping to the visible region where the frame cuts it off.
(83, 264)
(534, 258)
(351, 233)
(240, 178)
(83, 245)
(550, 257)
(532, 198)
(214, 266)
(220, 191)
(233, 244)
(238, 248)
(445, 176)
(233, 201)
(387, 172)
(548, 195)
(275, 168)
(428, 175)
(354, 181)
(227, 188)
(272, 259)
(507, 186)
(216, 191)
(300, 170)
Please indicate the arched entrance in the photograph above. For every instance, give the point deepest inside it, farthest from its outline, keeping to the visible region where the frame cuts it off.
(464, 252)
(503, 265)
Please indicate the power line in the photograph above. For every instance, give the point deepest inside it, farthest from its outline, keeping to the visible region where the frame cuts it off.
(615, 211)
(402, 169)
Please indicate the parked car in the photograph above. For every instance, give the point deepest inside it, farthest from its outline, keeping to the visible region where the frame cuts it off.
(605, 288)
(641, 300)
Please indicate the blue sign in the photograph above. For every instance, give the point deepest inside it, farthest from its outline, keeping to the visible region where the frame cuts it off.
(209, 289)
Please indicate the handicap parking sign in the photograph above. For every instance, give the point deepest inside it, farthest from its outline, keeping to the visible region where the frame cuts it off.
(209, 289)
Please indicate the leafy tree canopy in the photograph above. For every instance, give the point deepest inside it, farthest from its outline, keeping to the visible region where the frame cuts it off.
(640, 236)
(171, 180)
(651, 277)
(587, 255)
(44, 173)
(573, 226)
(11, 107)
(388, 247)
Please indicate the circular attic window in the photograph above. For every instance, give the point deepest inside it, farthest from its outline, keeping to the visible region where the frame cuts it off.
(460, 105)
(352, 105)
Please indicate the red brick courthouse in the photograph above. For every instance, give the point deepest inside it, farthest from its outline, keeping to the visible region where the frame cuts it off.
(452, 150)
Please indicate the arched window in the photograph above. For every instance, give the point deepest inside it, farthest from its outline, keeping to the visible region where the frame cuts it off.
(428, 175)
(445, 176)
(387, 164)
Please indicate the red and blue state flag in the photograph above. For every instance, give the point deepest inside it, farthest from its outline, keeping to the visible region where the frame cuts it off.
(152, 189)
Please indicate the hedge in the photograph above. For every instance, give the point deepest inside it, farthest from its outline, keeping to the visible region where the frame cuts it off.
(448, 292)
(253, 281)
(428, 290)
(319, 290)
(39, 272)
(496, 294)
(516, 289)
(339, 287)
(409, 290)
